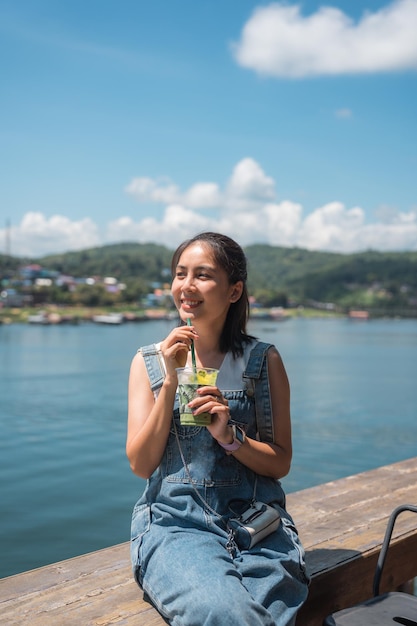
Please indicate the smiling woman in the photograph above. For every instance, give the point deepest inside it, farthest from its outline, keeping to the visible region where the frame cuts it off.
(185, 537)
(201, 289)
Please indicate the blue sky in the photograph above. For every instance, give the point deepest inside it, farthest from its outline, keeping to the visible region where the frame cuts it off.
(290, 123)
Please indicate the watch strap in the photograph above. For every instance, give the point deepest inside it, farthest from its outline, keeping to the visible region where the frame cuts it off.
(238, 438)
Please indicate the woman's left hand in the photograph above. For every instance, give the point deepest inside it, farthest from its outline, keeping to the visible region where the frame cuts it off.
(210, 400)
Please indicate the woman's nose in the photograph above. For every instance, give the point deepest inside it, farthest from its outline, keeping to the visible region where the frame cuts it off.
(188, 282)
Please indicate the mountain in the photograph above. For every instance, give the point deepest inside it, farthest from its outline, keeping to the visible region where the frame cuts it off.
(276, 274)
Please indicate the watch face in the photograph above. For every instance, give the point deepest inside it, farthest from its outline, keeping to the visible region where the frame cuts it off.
(239, 434)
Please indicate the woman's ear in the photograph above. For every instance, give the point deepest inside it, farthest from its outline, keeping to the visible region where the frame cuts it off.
(236, 291)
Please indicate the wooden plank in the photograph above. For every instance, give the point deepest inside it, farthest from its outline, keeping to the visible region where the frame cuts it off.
(353, 501)
(96, 588)
(357, 490)
(341, 524)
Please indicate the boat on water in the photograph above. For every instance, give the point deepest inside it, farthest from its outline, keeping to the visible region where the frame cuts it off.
(39, 318)
(276, 314)
(108, 318)
(45, 318)
(359, 315)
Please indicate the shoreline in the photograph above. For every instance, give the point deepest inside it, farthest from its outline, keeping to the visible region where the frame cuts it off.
(54, 314)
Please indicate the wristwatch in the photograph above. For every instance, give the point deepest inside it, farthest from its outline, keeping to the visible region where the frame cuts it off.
(239, 437)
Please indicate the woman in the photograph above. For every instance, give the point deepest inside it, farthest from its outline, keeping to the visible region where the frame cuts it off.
(184, 554)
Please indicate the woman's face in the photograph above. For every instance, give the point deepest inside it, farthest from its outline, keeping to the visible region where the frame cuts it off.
(201, 288)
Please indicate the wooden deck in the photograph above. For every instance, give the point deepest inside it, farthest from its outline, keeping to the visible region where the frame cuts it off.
(341, 524)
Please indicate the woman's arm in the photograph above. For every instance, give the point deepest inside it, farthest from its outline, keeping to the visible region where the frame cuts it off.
(149, 420)
(272, 459)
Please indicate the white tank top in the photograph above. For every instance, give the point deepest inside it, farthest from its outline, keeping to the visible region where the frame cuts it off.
(231, 370)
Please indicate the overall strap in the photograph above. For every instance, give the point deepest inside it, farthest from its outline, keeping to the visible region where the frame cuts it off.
(257, 383)
(153, 361)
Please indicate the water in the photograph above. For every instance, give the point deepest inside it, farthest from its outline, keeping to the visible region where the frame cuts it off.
(65, 484)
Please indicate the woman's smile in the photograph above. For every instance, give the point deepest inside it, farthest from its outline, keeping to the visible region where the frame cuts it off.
(189, 304)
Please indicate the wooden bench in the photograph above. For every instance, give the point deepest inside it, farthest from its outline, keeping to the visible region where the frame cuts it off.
(341, 523)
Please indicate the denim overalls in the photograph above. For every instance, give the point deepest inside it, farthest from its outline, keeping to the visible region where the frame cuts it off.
(178, 546)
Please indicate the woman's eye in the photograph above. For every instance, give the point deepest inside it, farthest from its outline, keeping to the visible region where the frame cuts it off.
(199, 275)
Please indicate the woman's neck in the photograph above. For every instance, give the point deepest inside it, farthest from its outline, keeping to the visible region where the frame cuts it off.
(208, 359)
(207, 350)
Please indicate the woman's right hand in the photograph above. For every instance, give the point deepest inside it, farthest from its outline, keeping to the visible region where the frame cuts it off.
(176, 346)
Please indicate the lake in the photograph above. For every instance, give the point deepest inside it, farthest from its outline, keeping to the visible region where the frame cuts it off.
(65, 484)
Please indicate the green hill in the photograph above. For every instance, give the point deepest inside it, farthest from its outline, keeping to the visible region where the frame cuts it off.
(277, 275)
(122, 260)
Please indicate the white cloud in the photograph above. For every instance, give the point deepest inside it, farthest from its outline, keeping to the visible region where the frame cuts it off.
(398, 234)
(279, 41)
(332, 227)
(37, 235)
(149, 190)
(177, 224)
(247, 189)
(248, 186)
(247, 209)
(202, 195)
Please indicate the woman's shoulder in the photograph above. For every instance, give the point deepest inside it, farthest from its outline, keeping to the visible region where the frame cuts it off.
(261, 346)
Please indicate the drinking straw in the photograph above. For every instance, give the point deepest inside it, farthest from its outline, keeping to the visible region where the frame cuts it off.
(192, 348)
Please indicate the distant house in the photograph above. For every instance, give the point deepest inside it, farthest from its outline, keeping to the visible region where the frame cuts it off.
(32, 273)
(10, 298)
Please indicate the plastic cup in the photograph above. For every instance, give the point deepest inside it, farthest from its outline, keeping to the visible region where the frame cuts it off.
(189, 380)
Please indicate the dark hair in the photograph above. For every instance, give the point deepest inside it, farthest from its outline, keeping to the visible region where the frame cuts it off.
(231, 258)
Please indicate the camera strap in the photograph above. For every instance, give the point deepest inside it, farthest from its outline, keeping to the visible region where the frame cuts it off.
(231, 545)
